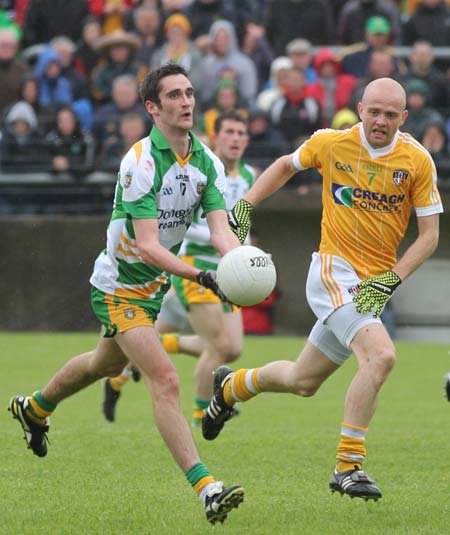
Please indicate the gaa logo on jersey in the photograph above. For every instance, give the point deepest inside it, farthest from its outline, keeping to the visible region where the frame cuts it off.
(129, 313)
(400, 176)
(127, 179)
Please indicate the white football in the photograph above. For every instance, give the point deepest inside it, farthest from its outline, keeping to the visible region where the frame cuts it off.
(246, 275)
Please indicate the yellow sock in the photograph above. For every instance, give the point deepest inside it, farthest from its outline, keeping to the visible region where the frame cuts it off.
(242, 386)
(351, 450)
(117, 382)
(170, 342)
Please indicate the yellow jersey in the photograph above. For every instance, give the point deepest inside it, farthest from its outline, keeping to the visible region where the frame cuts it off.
(368, 194)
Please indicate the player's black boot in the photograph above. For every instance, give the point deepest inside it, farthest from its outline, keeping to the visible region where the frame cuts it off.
(34, 434)
(218, 412)
(447, 386)
(220, 501)
(110, 400)
(356, 483)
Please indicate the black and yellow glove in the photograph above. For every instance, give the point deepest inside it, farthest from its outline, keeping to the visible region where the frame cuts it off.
(375, 292)
(239, 219)
(208, 280)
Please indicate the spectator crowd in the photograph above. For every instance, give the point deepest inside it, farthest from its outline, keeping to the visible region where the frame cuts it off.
(70, 70)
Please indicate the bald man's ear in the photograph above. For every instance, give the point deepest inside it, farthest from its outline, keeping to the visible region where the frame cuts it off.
(404, 116)
(360, 107)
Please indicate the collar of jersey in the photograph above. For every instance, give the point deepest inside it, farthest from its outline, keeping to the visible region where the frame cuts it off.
(161, 142)
(376, 153)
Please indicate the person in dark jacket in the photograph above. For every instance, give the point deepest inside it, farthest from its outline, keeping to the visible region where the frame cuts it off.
(70, 149)
(21, 149)
(430, 21)
(46, 19)
(11, 69)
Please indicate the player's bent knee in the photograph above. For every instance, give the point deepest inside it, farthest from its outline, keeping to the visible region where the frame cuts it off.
(305, 389)
(166, 386)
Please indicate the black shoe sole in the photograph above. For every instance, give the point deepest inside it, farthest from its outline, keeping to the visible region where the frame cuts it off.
(230, 501)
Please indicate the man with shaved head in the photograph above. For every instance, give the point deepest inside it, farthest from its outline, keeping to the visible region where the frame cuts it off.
(373, 175)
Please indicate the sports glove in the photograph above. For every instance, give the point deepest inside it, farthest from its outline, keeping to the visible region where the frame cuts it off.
(239, 219)
(375, 292)
(208, 280)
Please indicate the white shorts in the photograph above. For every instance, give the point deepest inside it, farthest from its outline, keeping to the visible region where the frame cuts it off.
(327, 291)
(173, 312)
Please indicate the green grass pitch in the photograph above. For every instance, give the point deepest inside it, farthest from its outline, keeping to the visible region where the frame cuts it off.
(102, 478)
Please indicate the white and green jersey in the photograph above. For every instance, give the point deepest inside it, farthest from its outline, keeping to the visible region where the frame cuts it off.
(155, 183)
(197, 241)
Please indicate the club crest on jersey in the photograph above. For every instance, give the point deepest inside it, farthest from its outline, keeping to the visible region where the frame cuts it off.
(127, 179)
(399, 176)
(201, 188)
(129, 313)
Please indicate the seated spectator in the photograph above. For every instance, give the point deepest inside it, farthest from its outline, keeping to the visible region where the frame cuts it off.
(86, 56)
(356, 58)
(70, 149)
(421, 65)
(11, 69)
(224, 53)
(226, 98)
(125, 99)
(266, 143)
(113, 14)
(381, 65)
(178, 48)
(332, 89)
(118, 50)
(278, 73)
(65, 48)
(294, 113)
(344, 119)
(146, 25)
(54, 88)
(419, 113)
(355, 14)
(256, 46)
(435, 140)
(132, 128)
(21, 149)
(29, 92)
(428, 22)
(300, 52)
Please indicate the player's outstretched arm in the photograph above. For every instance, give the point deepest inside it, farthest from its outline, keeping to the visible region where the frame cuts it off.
(271, 180)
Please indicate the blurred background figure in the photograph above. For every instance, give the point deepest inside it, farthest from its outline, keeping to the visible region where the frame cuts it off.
(132, 128)
(295, 113)
(70, 149)
(45, 19)
(300, 52)
(344, 119)
(226, 98)
(178, 48)
(12, 69)
(266, 143)
(309, 19)
(118, 51)
(419, 112)
(146, 25)
(125, 99)
(224, 53)
(255, 45)
(428, 22)
(356, 58)
(355, 14)
(21, 149)
(332, 90)
(273, 88)
(86, 55)
(421, 66)
(435, 140)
